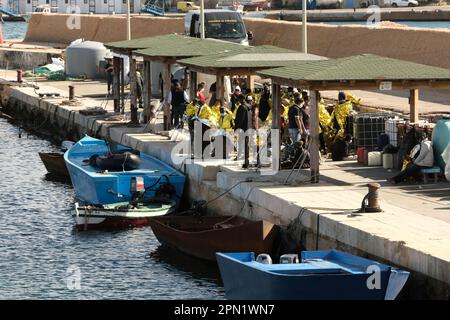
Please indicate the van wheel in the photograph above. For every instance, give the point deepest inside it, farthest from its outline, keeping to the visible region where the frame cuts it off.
(394, 5)
(410, 4)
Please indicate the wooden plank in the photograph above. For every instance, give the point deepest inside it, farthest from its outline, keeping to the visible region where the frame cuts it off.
(276, 125)
(414, 105)
(314, 136)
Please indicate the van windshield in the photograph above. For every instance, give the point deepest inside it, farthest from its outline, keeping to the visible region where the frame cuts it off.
(224, 25)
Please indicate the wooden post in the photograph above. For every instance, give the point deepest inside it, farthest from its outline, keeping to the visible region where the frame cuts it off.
(414, 105)
(147, 90)
(133, 91)
(192, 85)
(250, 82)
(220, 88)
(122, 86)
(167, 86)
(276, 124)
(314, 136)
(116, 84)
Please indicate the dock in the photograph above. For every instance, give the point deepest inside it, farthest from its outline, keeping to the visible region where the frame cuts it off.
(412, 232)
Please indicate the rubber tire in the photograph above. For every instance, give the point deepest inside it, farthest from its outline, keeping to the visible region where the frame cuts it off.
(410, 5)
(394, 5)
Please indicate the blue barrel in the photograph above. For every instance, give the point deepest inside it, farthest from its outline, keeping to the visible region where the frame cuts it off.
(441, 138)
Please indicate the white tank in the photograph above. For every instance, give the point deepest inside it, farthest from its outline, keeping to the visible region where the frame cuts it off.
(83, 59)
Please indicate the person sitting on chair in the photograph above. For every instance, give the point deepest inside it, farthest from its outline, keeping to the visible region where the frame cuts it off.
(420, 157)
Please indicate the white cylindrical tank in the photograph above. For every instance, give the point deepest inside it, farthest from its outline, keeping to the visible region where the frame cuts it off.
(388, 160)
(83, 59)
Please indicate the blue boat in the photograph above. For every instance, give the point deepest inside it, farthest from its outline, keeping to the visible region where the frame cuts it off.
(102, 174)
(321, 275)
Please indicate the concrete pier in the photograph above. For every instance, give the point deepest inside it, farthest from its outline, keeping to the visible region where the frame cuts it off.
(412, 232)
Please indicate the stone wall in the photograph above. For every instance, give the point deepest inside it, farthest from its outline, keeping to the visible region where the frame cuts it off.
(427, 46)
(52, 28)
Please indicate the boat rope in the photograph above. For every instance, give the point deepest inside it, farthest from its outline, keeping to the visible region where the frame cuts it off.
(224, 193)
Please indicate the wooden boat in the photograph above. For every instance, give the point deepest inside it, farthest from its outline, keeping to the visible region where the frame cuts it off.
(203, 236)
(329, 274)
(120, 215)
(54, 163)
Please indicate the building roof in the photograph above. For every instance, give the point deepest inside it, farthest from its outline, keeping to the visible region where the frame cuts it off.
(249, 58)
(356, 68)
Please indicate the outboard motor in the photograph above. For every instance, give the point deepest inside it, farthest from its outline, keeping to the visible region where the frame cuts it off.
(264, 258)
(289, 258)
(137, 188)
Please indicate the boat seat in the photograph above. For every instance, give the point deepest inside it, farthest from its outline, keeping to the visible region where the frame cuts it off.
(435, 171)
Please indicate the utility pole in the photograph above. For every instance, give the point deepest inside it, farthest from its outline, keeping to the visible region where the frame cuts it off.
(304, 31)
(128, 20)
(202, 19)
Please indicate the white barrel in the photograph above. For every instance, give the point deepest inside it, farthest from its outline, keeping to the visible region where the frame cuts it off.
(374, 158)
(388, 160)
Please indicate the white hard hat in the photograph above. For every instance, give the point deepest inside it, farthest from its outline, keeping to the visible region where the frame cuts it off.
(295, 90)
(237, 88)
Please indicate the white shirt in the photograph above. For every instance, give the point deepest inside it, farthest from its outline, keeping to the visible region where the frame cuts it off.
(426, 156)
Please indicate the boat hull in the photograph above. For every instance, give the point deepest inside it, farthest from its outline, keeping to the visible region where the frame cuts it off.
(54, 163)
(249, 280)
(195, 236)
(109, 217)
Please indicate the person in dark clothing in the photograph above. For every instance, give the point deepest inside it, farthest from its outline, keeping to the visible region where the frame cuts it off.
(139, 88)
(264, 107)
(178, 99)
(295, 120)
(241, 125)
(212, 93)
(109, 69)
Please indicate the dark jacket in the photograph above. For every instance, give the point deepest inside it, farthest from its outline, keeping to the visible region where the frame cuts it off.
(242, 118)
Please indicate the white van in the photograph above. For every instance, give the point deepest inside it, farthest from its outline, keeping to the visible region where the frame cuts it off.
(220, 24)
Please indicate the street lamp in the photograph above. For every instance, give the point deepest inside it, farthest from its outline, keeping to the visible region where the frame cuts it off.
(202, 19)
(128, 20)
(304, 32)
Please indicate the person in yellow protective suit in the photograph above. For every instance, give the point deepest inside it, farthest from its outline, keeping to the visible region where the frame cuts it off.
(339, 118)
(324, 123)
(215, 112)
(355, 102)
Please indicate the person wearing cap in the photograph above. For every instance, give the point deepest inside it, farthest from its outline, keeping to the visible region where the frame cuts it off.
(236, 96)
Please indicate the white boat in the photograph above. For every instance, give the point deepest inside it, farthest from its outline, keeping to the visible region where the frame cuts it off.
(119, 215)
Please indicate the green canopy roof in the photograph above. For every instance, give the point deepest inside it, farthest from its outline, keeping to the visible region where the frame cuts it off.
(250, 57)
(360, 67)
(173, 45)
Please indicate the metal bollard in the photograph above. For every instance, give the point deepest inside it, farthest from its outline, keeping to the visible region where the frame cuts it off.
(372, 199)
(19, 76)
(71, 92)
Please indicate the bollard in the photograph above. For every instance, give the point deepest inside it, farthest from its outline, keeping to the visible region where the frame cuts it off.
(19, 76)
(71, 92)
(372, 199)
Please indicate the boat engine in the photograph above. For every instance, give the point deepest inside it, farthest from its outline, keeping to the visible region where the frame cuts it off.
(264, 258)
(289, 258)
(137, 188)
